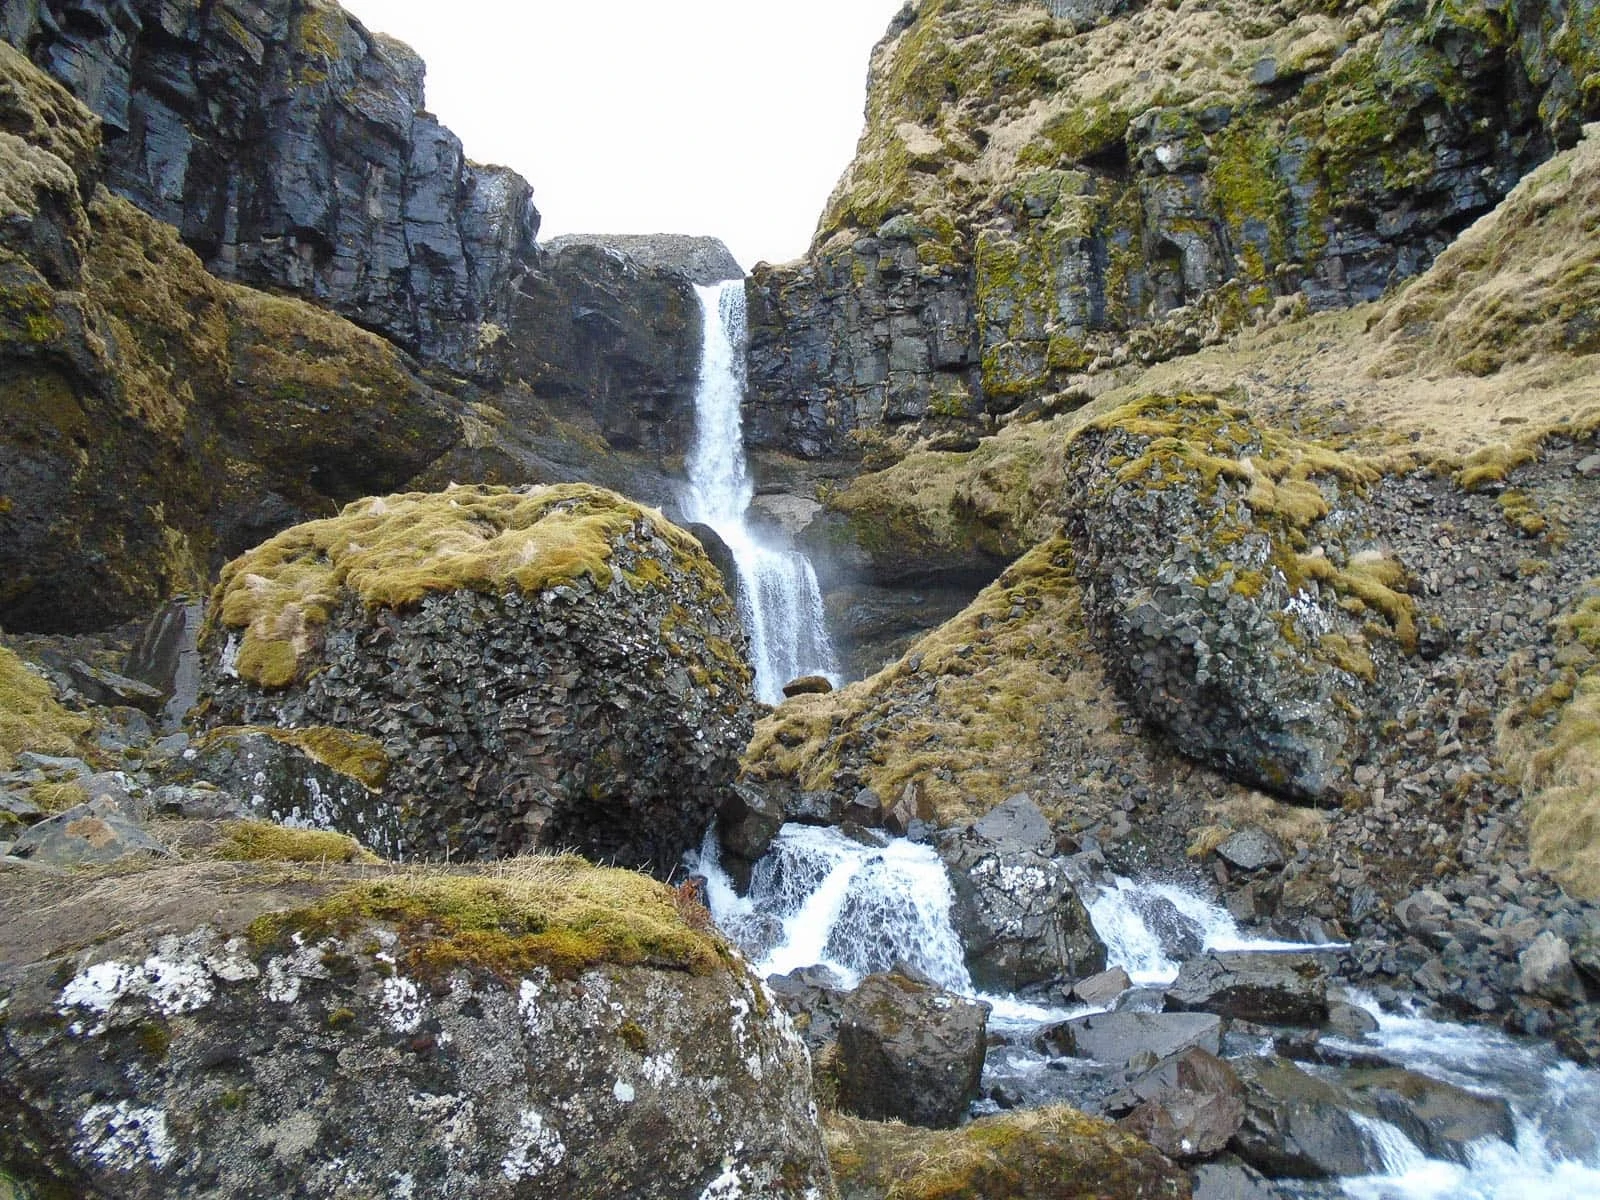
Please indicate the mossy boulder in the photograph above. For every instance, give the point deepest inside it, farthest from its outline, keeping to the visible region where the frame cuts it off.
(1255, 632)
(544, 667)
(290, 1022)
(1047, 1152)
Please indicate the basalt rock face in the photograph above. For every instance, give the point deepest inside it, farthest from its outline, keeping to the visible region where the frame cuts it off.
(260, 1029)
(546, 668)
(289, 147)
(1038, 196)
(156, 417)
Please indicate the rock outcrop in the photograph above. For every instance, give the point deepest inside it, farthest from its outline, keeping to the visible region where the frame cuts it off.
(552, 667)
(1039, 195)
(155, 416)
(290, 148)
(257, 1029)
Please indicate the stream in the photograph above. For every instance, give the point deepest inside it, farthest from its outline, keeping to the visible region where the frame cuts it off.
(820, 898)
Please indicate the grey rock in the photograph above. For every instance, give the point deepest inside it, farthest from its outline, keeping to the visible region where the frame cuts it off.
(16, 809)
(1252, 849)
(167, 658)
(1547, 971)
(1588, 467)
(1193, 1105)
(1298, 1125)
(1229, 1179)
(179, 1057)
(278, 781)
(1103, 988)
(1267, 988)
(909, 1051)
(1117, 1038)
(1017, 823)
(87, 834)
(808, 685)
(1018, 915)
(55, 766)
(701, 260)
(110, 689)
(748, 819)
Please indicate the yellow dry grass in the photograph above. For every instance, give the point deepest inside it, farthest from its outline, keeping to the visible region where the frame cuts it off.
(30, 717)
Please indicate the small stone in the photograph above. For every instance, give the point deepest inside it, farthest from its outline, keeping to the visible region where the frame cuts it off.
(808, 685)
(1252, 849)
(1588, 467)
(1547, 970)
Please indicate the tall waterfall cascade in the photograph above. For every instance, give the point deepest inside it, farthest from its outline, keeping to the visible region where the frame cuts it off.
(821, 898)
(779, 600)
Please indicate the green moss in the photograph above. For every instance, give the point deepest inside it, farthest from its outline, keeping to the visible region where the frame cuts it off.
(30, 717)
(154, 1038)
(392, 552)
(264, 841)
(633, 1036)
(1025, 1155)
(562, 913)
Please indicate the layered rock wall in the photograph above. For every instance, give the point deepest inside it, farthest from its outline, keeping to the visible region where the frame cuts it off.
(290, 148)
(1036, 197)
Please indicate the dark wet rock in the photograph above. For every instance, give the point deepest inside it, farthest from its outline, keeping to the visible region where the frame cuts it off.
(1179, 936)
(1444, 1120)
(251, 129)
(181, 1056)
(808, 685)
(199, 802)
(1018, 915)
(909, 1051)
(87, 834)
(108, 688)
(1116, 1038)
(814, 998)
(1252, 849)
(748, 819)
(1192, 1106)
(1103, 988)
(1229, 1179)
(167, 658)
(1296, 1124)
(289, 778)
(1274, 989)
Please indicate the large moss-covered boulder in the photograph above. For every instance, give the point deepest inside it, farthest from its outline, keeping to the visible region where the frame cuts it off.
(262, 1029)
(1258, 628)
(546, 667)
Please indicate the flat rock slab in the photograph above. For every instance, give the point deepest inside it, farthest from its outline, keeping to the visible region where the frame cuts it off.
(1117, 1037)
(1251, 985)
(1194, 1107)
(87, 834)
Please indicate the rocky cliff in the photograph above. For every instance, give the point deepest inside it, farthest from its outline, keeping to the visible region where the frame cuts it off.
(1043, 192)
(290, 148)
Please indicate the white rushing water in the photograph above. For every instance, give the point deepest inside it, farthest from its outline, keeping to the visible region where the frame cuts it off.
(779, 599)
(821, 898)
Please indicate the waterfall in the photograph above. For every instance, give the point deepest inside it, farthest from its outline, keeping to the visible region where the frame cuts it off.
(780, 602)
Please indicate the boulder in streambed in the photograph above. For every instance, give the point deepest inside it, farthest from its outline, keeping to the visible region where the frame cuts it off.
(1298, 1125)
(1191, 1105)
(1015, 908)
(1116, 1038)
(1251, 985)
(256, 1029)
(909, 1051)
(545, 667)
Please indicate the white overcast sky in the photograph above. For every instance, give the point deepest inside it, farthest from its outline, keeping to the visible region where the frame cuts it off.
(725, 117)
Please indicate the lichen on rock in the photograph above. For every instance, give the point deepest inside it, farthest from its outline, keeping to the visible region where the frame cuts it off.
(373, 1031)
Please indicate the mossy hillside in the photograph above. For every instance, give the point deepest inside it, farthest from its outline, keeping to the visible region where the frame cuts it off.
(560, 913)
(960, 715)
(1037, 1153)
(392, 551)
(42, 113)
(30, 716)
(1521, 284)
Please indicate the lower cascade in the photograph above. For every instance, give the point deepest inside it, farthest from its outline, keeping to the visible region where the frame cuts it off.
(779, 600)
(853, 907)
